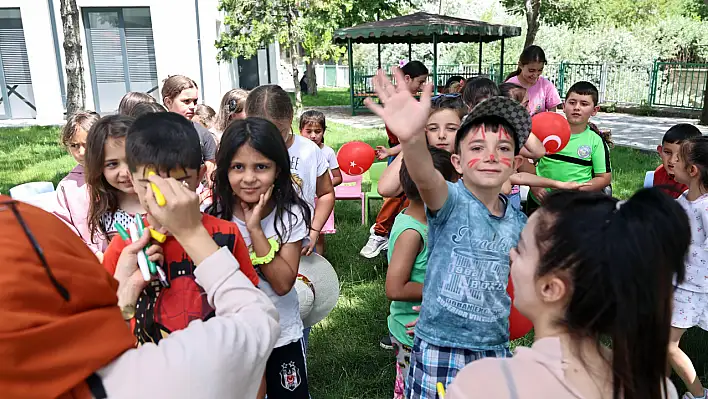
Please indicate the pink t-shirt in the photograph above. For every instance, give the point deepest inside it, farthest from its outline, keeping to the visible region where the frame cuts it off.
(543, 95)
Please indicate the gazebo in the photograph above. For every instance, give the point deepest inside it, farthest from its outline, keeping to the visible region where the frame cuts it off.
(418, 28)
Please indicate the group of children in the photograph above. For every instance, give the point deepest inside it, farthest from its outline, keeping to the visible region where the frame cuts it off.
(456, 214)
(268, 197)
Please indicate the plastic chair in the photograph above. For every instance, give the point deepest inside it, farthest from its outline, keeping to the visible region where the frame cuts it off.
(350, 189)
(40, 194)
(373, 175)
(649, 179)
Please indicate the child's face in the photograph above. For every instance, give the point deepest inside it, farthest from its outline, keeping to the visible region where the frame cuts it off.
(251, 174)
(184, 103)
(681, 170)
(579, 108)
(77, 145)
(669, 153)
(191, 177)
(442, 128)
(486, 159)
(314, 132)
(531, 72)
(115, 167)
(414, 84)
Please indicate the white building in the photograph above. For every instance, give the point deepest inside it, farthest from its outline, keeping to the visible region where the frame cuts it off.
(128, 45)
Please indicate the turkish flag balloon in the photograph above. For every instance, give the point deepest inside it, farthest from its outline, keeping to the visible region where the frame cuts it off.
(552, 129)
(355, 157)
(519, 325)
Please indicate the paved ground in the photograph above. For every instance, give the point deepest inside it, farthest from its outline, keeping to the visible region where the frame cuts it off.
(643, 132)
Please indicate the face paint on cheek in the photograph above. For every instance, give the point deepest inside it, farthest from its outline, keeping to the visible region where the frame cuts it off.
(505, 161)
(472, 162)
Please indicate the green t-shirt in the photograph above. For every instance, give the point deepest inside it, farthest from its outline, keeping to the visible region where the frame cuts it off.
(585, 156)
(402, 313)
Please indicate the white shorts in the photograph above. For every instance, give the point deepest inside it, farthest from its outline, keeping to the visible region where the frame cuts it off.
(690, 309)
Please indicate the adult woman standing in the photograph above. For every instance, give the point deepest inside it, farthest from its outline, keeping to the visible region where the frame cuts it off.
(542, 93)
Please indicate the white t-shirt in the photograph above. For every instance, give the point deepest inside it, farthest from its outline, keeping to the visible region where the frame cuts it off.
(288, 306)
(330, 156)
(307, 163)
(697, 256)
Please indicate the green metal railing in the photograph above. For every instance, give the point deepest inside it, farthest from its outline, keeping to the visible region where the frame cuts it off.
(669, 84)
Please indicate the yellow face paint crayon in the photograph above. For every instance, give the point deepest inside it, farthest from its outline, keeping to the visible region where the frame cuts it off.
(159, 198)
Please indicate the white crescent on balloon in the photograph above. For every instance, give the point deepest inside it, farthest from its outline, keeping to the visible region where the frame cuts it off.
(555, 139)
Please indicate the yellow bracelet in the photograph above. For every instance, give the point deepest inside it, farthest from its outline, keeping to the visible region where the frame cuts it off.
(262, 260)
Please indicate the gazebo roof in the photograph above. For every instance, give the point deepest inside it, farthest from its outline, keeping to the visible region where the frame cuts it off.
(420, 27)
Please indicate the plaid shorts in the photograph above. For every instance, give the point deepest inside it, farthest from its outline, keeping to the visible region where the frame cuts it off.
(431, 364)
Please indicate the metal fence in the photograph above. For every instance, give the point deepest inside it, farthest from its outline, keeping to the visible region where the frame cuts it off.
(670, 84)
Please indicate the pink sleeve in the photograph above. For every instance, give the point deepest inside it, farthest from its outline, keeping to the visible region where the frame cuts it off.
(68, 209)
(552, 97)
(61, 210)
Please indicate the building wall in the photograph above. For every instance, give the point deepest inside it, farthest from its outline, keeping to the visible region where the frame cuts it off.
(174, 30)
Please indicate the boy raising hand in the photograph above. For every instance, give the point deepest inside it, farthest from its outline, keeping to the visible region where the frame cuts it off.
(472, 228)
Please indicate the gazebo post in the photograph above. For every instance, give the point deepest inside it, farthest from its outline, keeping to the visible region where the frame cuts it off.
(479, 66)
(351, 74)
(410, 51)
(435, 63)
(501, 62)
(378, 47)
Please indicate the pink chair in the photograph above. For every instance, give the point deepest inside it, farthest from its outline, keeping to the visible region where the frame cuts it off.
(350, 189)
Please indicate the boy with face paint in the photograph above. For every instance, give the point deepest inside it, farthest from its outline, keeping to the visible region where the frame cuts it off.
(471, 229)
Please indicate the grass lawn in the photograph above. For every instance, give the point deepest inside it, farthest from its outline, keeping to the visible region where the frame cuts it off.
(325, 97)
(344, 360)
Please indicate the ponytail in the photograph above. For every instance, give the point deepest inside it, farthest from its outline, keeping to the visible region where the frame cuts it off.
(619, 259)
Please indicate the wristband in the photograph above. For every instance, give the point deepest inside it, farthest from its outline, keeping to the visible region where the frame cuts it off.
(262, 260)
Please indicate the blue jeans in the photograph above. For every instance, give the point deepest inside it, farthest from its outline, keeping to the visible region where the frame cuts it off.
(306, 337)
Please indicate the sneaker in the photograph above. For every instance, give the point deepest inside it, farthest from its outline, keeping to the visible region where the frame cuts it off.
(374, 246)
(385, 343)
(689, 395)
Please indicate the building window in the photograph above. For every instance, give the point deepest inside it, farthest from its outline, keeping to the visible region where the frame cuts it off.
(121, 53)
(16, 92)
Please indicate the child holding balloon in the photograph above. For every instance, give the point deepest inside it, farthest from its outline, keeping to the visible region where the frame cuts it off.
(313, 126)
(541, 92)
(472, 228)
(586, 157)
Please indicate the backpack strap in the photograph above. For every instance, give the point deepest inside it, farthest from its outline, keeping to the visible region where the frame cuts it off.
(513, 394)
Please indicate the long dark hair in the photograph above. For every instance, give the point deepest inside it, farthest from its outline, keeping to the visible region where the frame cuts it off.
(694, 151)
(103, 197)
(264, 137)
(619, 260)
(530, 54)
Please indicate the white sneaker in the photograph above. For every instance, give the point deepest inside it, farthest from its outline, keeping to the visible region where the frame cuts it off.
(374, 246)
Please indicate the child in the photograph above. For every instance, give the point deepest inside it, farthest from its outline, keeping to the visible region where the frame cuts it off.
(313, 126)
(72, 192)
(407, 260)
(233, 107)
(690, 305)
(472, 228)
(515, 92)
(542, 93)
(168, 144)
(112, 196)
(586, 157)
(131, 99)
(204, 115)
(669, 152)
(414, 75)
(308, 164)
(620, 294)
(477, 90)
(253, 188)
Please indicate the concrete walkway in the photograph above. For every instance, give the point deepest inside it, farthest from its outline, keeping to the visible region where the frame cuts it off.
(643, 132)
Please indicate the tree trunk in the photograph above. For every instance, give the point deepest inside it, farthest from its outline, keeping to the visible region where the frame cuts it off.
(704, 114)
(75, 88)
(532, 11)
(311, 77)
(294, 52)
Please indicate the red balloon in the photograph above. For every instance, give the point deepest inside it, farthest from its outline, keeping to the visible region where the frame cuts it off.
(519, 325)
(552, 129)
(355, 157)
